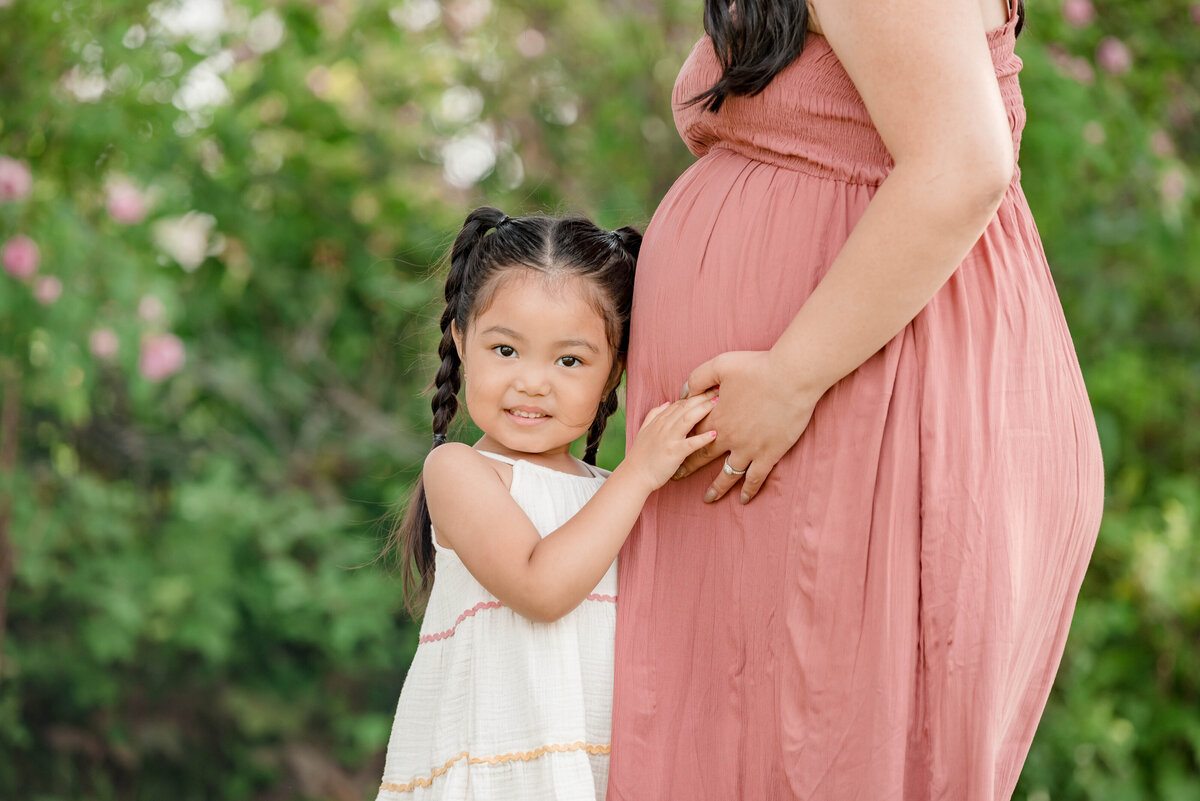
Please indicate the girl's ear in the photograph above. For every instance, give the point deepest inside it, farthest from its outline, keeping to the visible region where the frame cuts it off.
(456, 335)
(614, 378)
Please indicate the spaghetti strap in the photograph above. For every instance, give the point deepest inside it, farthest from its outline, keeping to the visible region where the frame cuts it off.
(593, 471)
(1013, 9)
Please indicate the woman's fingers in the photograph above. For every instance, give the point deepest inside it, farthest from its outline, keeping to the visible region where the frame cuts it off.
(725, 480)
(753, 480)
(702, 378)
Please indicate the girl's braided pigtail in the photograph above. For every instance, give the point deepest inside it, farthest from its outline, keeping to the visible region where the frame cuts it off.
(630, 242)
(605, 411)
(413, 539)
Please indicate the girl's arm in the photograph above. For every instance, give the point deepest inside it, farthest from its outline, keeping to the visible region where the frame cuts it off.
(545, 578)
(924, 71)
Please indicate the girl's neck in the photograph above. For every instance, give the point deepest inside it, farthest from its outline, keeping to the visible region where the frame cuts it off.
(559, 459)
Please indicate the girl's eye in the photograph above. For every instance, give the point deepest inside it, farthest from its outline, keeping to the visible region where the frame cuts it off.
(568, 361)
(507, 351)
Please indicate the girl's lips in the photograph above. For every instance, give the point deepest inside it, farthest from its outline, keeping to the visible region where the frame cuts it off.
(526, 417)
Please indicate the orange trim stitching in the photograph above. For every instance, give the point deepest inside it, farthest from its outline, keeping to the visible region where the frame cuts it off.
(421, 781)
(499, 759)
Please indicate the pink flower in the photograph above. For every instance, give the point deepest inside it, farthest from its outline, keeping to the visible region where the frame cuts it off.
(1078, 13)
(126, 204)
(1161, 144)
(20, 256)
(103, 343)
(1173, 185)
(162, 356)
(531, 43)
(151, 309)
(1075, 67)
(1113, 56)
(1195, 9)
(47, 289)
(16, 181)
(1081, 70)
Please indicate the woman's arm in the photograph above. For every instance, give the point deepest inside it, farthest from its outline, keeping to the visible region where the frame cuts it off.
(925, 73)
(544, 578)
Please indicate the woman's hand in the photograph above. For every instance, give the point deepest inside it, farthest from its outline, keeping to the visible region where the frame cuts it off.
(762, 412)
(665, 439)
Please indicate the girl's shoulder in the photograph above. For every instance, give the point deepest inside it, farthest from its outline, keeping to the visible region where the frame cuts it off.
(456, 463)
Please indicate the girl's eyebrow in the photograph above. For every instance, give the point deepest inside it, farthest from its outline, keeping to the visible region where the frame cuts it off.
(562, 343)
(499, 329)
(576, 343)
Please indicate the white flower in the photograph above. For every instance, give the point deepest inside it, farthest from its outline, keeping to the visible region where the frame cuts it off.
(185, 239)
(191, 19)
(468, 157)
(266, 32)
(416, 15)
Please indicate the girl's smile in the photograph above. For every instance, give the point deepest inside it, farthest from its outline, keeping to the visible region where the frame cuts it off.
(528, 416)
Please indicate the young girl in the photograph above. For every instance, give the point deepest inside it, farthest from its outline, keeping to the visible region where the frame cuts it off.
(509, 694)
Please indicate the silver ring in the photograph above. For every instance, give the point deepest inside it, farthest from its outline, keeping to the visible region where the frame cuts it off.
(729, 471)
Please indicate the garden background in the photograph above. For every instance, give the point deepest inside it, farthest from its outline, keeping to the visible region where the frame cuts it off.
(220, 222)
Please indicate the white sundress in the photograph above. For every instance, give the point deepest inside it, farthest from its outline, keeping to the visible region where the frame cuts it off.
(496, 706)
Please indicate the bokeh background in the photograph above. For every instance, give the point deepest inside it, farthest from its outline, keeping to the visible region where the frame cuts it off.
(221, 222)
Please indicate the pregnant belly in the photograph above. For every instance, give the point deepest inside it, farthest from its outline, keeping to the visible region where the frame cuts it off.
(733, 251)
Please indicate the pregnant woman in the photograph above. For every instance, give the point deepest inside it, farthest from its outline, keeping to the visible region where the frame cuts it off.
(862, 589)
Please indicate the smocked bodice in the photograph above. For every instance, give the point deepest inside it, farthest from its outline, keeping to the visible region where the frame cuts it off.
(810, 118)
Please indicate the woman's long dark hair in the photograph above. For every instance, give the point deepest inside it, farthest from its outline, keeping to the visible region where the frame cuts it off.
(756, 41)
(490, 245)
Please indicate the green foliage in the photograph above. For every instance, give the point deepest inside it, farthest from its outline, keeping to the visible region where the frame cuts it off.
(1109, 164)
(195, 611)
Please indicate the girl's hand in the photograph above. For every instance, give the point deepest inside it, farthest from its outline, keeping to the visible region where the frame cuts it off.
(662, 443)
(760, 417)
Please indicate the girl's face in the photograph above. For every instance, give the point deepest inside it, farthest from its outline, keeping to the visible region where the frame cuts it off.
(535, 363)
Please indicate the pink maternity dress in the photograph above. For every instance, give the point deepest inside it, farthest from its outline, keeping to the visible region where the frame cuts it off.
(885, 620)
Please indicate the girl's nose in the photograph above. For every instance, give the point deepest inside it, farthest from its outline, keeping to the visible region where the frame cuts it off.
(533, 381)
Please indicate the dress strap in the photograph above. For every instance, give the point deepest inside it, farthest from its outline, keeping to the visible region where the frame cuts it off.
(498, 457)
(1013, 9)
(593, 471)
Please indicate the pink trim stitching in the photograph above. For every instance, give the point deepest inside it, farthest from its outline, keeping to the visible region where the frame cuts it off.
(479, 607)
(441, 635)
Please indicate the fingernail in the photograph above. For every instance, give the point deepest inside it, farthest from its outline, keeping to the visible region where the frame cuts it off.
(745, 498)
(712, 434)
(714, 398)
(683, 393)
(710, 496)
(680, 473)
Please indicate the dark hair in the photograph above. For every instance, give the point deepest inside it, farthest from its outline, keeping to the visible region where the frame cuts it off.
(491, 244)
(757, 41)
